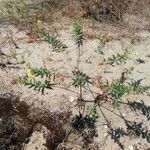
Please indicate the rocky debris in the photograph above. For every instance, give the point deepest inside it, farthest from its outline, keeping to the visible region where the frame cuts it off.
(24, 127)
(38, 138)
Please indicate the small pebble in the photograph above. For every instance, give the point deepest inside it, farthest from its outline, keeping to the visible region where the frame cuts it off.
(124, 115)
(71, 99)
(105, 134)
(131, 147)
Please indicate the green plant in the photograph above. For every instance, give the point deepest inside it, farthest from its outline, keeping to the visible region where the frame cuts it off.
(118, 59)
(31, 81)
(78, 34)
(87, 120)
(117, 89)
(52, 39)
(36, 85)
(79, 79)
(42, 72)
(91, 112)
(79, 37)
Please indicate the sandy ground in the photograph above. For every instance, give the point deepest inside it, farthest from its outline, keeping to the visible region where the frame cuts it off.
(40, 54)
(57, 100)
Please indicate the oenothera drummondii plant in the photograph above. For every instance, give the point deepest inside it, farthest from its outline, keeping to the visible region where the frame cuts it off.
(41, 78)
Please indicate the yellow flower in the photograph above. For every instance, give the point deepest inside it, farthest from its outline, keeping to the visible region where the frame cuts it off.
(29, 70)
(30, 73)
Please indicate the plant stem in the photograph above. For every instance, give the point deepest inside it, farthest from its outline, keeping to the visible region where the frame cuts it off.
(78, 59)
(61, 87)
(80, 101)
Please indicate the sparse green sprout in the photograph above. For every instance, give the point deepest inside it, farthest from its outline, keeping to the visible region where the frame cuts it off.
(118, 59)
(80, 79)
(79, 34)
(91, 112)
(36, 85)
(52, 39)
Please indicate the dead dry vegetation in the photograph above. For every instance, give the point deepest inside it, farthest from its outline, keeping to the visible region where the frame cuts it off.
(70, 75)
